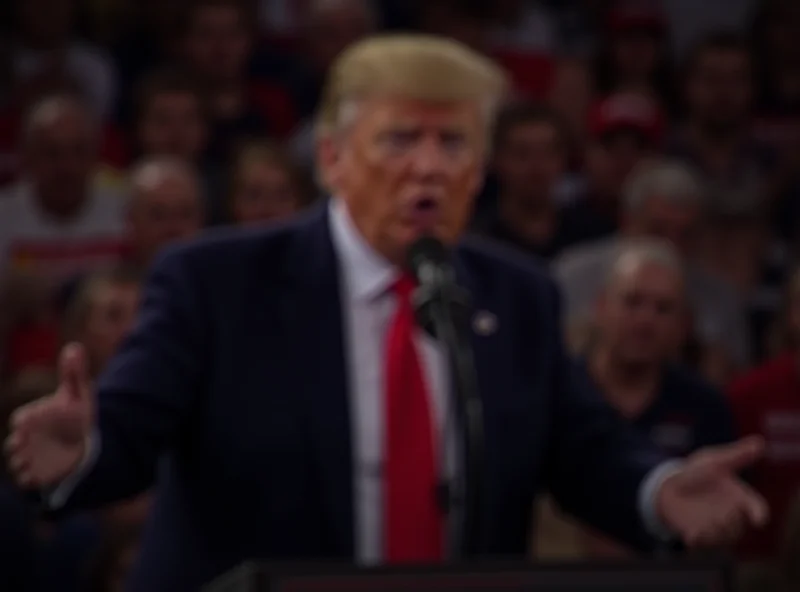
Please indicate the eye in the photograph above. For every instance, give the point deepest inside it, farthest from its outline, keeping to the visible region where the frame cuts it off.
(399, 139)
(453, 141)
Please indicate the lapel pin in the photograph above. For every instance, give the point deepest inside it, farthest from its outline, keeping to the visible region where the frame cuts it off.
(484, 323)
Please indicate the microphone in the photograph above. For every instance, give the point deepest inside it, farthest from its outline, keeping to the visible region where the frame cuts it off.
(429, 262)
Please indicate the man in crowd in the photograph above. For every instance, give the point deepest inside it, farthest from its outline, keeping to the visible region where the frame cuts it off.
(766, 401)
(286, 440)
(623, 130)
(165, 206)
(530, 159)
(661, 199)
(642, 317)
(61, 219)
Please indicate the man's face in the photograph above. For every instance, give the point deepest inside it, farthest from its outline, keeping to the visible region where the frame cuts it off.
(530, 161)
(610, 159)
(720, 89)
(217, 44)
(167, 210)
(642, 315)
(407, 169)
(112, 314)
(59, 161)
(172, 124)
(658, 218)
(264, 193)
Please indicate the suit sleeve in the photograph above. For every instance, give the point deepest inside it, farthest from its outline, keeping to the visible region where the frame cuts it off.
(597, 463)
(149, 388)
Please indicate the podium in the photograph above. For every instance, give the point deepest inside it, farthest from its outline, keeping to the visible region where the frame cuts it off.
(651, 576)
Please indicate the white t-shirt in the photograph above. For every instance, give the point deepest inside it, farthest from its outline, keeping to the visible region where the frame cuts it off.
(34, 244)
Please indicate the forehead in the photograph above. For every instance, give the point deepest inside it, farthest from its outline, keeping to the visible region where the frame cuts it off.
(647, 275)
(387, 112)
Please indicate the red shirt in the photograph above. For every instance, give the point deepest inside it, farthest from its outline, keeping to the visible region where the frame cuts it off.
(766, 401)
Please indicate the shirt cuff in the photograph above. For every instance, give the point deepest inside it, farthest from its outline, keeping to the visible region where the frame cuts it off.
(648, 491)
(58, 496)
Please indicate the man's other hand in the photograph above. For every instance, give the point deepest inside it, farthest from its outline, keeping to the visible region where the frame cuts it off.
(706, 503)
(47, 438)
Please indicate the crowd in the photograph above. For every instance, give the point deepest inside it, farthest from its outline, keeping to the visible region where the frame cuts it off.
(650, 155)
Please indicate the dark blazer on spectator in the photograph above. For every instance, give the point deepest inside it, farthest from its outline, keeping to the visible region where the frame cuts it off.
(237, 372)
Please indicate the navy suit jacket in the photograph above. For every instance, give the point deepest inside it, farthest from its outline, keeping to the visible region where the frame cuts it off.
(237, 372)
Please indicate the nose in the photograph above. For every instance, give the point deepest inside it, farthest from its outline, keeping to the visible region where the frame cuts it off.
(429, 160)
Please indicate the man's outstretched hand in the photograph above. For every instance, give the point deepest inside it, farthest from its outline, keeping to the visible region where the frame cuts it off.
(706, 503)
(47, 438)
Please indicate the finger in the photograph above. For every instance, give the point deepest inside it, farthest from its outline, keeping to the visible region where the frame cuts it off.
(73, 372)
(737, 456)
(753, 505)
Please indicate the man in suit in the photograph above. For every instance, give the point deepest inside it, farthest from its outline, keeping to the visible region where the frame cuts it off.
(300, 410)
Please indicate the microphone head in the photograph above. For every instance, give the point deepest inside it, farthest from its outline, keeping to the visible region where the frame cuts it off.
(425, 250)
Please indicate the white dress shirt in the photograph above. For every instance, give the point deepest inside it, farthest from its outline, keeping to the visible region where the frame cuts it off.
(368, 305)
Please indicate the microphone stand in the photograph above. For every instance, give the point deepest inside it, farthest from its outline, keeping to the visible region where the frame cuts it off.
(442, 309)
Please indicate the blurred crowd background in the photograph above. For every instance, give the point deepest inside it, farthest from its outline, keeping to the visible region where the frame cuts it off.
(650, 155)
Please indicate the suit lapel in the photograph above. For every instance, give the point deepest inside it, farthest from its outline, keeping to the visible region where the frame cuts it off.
(313, 314)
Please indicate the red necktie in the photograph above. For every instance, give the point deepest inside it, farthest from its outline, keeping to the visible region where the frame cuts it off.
(413, 520)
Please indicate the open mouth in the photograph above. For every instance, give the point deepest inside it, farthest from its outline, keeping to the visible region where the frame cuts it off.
(425, 213)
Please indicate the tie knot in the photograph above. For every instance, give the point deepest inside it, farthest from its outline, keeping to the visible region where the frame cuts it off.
(404, 286)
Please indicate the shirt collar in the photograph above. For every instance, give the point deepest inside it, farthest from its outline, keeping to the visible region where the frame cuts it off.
(365, 272)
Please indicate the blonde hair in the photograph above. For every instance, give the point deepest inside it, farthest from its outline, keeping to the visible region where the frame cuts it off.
(416, 66)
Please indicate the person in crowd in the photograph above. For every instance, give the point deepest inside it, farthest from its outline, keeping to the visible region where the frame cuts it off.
(327, 27)
(165, 206)
(624, 129)
(267, 185)
(171, 117)
(530, 158)
(45, 52)
(571, 94)
(61, 219)
(766, 401)
(636, 55)
(662, 199)
(216, 372)
(216, 45)
(642, 316)
(716, 136)
(102, 313)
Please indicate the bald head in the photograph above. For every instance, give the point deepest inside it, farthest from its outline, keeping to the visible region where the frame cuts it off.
(166, 205)
(642, 312)
(59, 139)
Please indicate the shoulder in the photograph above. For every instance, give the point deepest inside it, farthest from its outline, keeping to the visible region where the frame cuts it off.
(229, 252)
(501, 269)
(768, 378)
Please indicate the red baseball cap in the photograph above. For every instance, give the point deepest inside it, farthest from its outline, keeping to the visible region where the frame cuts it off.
(637, 14)
(627, 110)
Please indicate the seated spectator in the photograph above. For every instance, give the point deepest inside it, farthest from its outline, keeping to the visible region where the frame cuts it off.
(530, 145)
(641, 321)
(60, 219)
(739, 247)
(662, 199)
(624, 129)
(717, 136)
(45, 51)
(766, 401)
(171, 118)
(267, 186)
(165, 206)
(217, 42)
(102, 313)
(327, 27)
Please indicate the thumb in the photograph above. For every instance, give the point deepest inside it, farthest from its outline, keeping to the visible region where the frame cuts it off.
(737, 456)
(73, 372)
